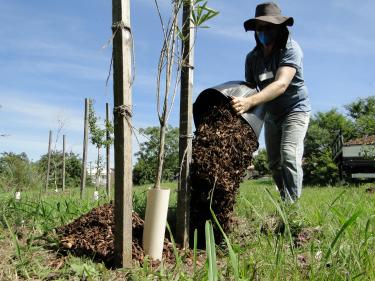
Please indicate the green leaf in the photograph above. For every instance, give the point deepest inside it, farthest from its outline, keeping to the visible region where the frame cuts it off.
(232, 254)
(211, 252)
(284, 218)
(350, 221)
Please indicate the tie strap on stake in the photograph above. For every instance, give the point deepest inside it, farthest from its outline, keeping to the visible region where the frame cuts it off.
(123, 111)
(120, 25)
(189, 136)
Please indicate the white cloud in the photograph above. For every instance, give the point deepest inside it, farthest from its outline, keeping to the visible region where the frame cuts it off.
(76, 69)
(334, 39)
(39, 114)
(52, 48)
(232, 32)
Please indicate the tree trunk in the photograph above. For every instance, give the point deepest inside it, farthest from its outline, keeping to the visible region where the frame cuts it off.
(97, 176)
(160, 157)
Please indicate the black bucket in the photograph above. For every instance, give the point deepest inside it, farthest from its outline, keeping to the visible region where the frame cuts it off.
(215, 95)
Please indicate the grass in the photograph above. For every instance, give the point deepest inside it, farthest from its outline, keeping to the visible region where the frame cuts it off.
(337, 223)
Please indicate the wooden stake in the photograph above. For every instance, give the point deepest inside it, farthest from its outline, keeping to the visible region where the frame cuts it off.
(63, 167)
(183, 196)
(49, 159)
(84, 153)
(108, 151)
(122, 61)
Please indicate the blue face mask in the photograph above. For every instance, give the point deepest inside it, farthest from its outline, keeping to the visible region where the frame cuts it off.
(266, 37)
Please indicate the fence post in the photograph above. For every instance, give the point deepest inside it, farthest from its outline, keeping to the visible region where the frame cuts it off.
(63, 167)
(49, 159)
(185, 141)
(84, 153)
(122, 75)
(108, 151)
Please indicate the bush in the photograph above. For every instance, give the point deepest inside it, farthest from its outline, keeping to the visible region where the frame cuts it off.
(144, 170)
(260, 163)
(18, 173)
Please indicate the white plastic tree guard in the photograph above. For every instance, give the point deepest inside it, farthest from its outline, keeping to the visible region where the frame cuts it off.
(155, 222)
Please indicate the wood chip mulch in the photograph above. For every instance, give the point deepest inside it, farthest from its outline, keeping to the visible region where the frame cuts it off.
(92, 235)
(222, 150)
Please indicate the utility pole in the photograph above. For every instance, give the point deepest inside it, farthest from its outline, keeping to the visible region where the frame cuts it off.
(63, 167)
(108, 151)
(122, 76)
(49, 159)
(85, 141)
(185, 141)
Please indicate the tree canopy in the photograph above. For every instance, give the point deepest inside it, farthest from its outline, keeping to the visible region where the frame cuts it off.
(17, 172)
(144, 170)
(73, 167)
(358, 121)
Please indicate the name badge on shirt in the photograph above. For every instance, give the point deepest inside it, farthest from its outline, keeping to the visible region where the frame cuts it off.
(265, 76)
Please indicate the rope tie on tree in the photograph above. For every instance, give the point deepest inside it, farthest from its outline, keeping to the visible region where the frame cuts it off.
(120, 25)
(123, 111)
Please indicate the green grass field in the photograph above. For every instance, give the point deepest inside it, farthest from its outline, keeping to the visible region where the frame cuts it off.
(328, 235)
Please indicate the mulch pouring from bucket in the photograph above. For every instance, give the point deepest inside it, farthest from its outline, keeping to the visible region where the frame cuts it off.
(222, 150)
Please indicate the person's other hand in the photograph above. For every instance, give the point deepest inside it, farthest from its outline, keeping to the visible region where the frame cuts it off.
(242, 104)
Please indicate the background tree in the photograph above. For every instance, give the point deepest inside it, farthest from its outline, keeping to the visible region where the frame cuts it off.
(362, 112)
(17, 172)
(144, 170)
(260, 162)
(318, 165)
(98, 138)
(56, 164)
(73, 167)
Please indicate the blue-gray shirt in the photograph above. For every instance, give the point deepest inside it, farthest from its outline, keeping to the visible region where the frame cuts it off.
(261, 71)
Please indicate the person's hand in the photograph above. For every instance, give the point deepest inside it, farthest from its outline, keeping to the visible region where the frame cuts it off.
(242, 104)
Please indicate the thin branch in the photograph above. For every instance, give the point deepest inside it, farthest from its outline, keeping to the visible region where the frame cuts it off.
(161, 20)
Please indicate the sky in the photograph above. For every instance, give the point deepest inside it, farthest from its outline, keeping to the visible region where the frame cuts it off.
(54, 54)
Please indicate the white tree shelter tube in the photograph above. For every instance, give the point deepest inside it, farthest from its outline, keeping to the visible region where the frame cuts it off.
(18, 195)
(155, 222)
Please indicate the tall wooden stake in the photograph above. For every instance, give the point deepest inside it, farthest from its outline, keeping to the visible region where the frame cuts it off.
(108, 151)
(63, 167)
(183, 197)
(84, 153)
(49, 159)
(122, 61)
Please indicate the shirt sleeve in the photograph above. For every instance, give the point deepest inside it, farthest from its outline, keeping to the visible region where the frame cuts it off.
(292, 56)
(249, 72)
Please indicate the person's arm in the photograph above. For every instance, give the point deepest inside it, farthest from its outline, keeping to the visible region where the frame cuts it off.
(284, 76)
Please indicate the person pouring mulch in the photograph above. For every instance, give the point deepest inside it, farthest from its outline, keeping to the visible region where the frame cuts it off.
(275, 67)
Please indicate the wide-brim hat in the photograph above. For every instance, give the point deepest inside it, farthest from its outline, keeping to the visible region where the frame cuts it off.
(268, 12)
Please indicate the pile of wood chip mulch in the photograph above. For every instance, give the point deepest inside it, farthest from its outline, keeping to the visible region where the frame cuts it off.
(92, 235)
(222, 150)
